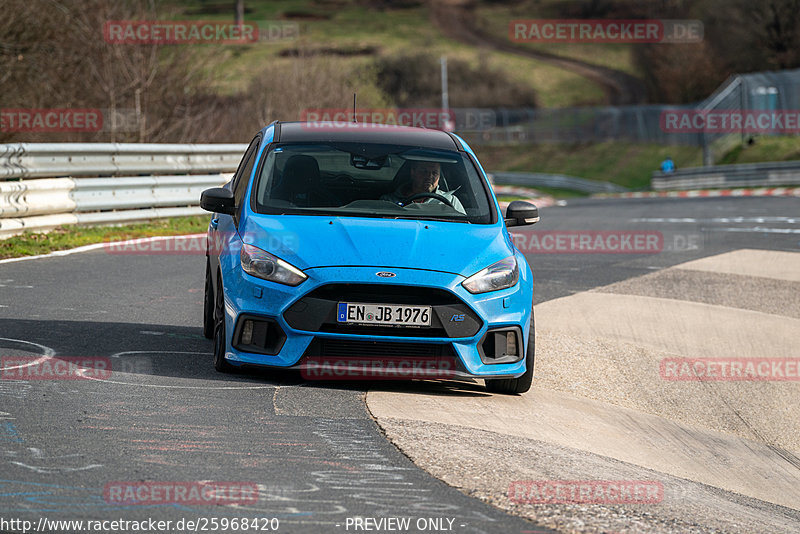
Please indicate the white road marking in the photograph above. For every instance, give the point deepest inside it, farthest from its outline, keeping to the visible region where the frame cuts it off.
(723, 220)
(117, 355)
(37, 453)
(50, 470)
(47, 352)
(758, 230)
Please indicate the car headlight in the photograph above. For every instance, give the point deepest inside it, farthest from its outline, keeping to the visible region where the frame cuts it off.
(503, 274)
(264, 265)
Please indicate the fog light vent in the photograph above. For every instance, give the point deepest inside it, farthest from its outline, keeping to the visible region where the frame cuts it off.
(502, 345)
(258, 334)
(511, 343)
(247, 333)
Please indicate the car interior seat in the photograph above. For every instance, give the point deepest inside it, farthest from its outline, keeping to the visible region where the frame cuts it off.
(300, 184)
(401, 178)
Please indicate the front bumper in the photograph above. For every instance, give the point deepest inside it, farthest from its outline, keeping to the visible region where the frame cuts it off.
(462, 327)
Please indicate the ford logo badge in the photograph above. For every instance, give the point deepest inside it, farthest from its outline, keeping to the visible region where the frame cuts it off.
(384, 274)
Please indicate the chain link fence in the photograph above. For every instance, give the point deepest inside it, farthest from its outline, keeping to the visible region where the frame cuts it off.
(763, 91)
(580, 125)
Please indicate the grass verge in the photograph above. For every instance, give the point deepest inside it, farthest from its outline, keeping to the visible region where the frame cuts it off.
(625, 164)
(66, 237)
(561, 193)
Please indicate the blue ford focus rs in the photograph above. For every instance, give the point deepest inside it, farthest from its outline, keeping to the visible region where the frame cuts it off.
(358, 243)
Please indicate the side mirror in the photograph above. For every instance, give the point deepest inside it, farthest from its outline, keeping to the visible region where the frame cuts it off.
(218, 200)
(521, 213)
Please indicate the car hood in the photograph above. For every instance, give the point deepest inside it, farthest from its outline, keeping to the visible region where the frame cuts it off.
(309, 242)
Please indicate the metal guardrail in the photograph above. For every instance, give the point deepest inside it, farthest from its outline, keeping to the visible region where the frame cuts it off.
(47, 185)
(46, 203)
(770, 174)
(556, 181)
(38, 160)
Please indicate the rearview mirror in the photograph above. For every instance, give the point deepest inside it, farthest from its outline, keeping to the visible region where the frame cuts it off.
(218, 200)
(371, 164)
(521, 213)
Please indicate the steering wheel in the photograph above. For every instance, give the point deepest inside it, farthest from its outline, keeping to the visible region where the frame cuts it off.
(438, 197)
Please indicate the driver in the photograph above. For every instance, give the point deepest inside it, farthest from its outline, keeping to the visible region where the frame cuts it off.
(424, 179)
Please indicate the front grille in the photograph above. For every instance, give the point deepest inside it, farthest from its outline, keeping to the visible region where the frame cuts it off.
(316, 311)
(338, 348)
(376, 330)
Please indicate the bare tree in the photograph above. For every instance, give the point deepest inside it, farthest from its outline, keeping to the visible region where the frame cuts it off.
(755, 35)
(55, 55)
(239, 12)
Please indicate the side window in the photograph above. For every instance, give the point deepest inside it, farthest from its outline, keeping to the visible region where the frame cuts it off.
(242, 178)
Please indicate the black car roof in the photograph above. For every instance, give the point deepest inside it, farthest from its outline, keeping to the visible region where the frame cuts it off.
(291, 132)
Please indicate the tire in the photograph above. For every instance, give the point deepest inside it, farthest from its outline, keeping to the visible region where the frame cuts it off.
(220, 343)
(208, 305)
(510, 386)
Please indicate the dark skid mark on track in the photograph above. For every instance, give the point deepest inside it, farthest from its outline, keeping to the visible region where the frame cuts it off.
(313, 471)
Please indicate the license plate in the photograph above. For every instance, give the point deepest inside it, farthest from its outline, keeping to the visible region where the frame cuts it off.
(383, 314)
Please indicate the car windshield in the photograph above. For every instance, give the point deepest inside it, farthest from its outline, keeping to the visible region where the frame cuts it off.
(371, 180)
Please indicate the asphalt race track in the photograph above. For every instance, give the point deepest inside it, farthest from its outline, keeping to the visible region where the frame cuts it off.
(313, 449)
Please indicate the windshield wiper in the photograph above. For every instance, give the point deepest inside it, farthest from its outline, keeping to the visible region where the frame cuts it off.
(433, 219)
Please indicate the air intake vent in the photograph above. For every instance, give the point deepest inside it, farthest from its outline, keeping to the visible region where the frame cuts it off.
(337, 348)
